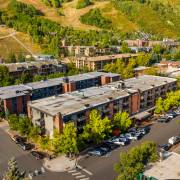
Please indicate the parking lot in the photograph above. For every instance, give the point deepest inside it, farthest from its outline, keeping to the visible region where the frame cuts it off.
(95, 168)
(102, 167)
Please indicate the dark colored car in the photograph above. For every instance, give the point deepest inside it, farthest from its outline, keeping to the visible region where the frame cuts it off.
(38, 155)
(97, 152)
(144, 130)
(24, 146)
(110, 145)
(165, 147)
(17, 139)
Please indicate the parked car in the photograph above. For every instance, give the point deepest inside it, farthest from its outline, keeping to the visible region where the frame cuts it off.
(165, 147)
(174, 140)
(164, 119)
(177, 111)
(111, 146)
(171, 115)
(132, 136)
(38, 155)
(144, 130)
(96, 152)
(17, 139)
(119, 141)
(24, 146)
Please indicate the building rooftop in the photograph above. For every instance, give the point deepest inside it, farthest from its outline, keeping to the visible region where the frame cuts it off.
(146, 82)
(69, 103)
(11, 91)
(30, 65)
(109, 57)
(166, 169)
(140, 68)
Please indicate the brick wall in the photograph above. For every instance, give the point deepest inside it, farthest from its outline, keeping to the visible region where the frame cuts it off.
(135, 103)
(8, 105)
(58, 123)
(105, 80)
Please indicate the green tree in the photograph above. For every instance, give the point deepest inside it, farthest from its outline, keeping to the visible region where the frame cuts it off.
(143, 59)
(56, 142)
(21, 57)
(45, 143)
(13, 172)
(68, 140)
(83, 4)
(96, 128)
(133, 162)
(125, 48)
(151, 71)
(13, 121)
(12, 58)
(4, 76)
(159, 106)
(34, 133)
(24, 125)
(122, 121)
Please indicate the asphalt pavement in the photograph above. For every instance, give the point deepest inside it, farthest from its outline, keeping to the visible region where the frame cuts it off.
(103, 167)
(92, 168)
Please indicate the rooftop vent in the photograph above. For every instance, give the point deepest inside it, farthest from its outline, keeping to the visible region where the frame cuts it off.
(87, 105)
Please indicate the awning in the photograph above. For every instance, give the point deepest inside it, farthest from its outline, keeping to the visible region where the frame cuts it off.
(142, 115)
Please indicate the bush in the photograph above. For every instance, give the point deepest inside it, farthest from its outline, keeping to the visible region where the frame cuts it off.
(94, 17)
(83, 4)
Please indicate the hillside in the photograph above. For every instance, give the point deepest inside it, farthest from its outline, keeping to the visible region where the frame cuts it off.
(49, 25)
(10, 45)
(145, 17)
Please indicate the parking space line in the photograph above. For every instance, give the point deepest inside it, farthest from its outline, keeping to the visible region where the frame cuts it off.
(85, 178)
(85, 170)
(71, 171)
(81, 176)
(78, 173)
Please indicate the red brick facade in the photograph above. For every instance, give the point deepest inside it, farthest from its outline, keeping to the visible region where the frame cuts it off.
(105, 80)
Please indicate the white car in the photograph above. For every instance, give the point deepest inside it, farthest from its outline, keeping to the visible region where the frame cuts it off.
(174, 140)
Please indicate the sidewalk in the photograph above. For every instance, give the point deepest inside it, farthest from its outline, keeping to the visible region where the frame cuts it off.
(60, 164)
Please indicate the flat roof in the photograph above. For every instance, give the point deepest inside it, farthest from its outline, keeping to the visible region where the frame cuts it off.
(76, 101)
(141, 68)
(70, 103)
(11, 91)
(37, 64)
(108, 57)
(146, 82)
(169, 168)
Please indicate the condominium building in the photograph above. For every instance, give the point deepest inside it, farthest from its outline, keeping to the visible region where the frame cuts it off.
(14, 98)
(133, 95)
(98, 62)
(36, 68)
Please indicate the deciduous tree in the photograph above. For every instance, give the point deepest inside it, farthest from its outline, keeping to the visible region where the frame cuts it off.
(97, 129)
(122, 121)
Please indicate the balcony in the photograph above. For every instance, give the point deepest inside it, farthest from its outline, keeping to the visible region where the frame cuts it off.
(40, 123)
(82, 118)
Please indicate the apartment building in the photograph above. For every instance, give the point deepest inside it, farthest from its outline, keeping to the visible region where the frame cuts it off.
(87, 51)
(14, 98)
(171, 68)
(98, 62)
(134, 96)
(148, 43)
(35, 68)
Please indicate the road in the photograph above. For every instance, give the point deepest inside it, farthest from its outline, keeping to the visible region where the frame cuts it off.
(100, 167)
